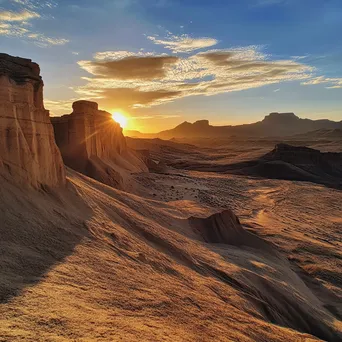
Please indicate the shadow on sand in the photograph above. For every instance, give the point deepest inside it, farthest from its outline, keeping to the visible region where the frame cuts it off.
(38, 230)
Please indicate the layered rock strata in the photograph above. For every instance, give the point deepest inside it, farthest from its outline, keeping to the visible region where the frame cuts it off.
(92, 143)
(28, 152)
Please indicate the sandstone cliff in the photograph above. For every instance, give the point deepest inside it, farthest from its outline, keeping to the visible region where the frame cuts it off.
(93, 144)
(28, 153)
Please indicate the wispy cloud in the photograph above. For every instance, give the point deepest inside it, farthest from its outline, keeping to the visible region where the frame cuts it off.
(183, 43)
(43, 41)
(264, 3)
(7, 29)
(334, 83)
(298, 58)
(59, 107)
(17, 23)
(10, 16)
(131, 80)
(35, 4)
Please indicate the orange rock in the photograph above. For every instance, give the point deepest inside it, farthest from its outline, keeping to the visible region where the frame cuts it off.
(28, 152)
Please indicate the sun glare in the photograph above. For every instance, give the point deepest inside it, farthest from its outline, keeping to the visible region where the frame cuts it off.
(120, 119)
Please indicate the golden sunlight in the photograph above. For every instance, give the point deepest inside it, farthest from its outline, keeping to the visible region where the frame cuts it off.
(120, 119)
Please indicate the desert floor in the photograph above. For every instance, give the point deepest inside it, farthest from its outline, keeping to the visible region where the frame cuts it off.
(168, 261)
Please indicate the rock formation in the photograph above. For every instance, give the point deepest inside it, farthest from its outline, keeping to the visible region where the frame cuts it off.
(28, 153)
(225, 228)
(93, 144)
(294, 163)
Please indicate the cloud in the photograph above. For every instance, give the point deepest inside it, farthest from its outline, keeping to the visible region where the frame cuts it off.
(264, 3)
(132, 67)
(133, 97)
(24, 15)
(335, 83)
(35, 4)
(300, 57)
(7, 29)
(132, 80)
(116, 55)
(44, 41)
(183, 43)
(59, 107)
(15, 24)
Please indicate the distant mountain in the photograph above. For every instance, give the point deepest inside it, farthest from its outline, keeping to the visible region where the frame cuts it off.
(273, 125)
(137, 134)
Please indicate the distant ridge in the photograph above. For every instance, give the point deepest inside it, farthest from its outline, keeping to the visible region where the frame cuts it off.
(321, 134)
(273, 125)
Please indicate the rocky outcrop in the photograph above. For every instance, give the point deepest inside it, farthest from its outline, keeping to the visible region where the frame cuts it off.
(92, 143)
(297, 163)
(225, 228)
(306, 157)
(28, 153)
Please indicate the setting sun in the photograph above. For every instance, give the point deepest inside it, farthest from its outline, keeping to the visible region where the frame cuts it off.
(120, 119)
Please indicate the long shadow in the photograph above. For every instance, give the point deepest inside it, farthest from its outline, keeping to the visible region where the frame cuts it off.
(38, 230)
(263, 169)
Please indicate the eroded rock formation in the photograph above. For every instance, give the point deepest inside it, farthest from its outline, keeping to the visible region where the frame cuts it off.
(93, 144)
(28, 153)
(298, 163)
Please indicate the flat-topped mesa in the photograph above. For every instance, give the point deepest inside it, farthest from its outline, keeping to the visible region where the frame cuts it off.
(28, 152)
(91, 142)
(280, 118)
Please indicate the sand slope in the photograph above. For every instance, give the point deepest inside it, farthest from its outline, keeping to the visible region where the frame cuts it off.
(93, 263)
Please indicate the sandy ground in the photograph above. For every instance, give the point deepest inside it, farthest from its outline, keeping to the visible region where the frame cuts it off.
(93, 263)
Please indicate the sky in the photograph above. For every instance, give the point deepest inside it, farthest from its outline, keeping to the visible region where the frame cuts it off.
(162, 62)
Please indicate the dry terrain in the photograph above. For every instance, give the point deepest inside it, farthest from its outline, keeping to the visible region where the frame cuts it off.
(169, 261)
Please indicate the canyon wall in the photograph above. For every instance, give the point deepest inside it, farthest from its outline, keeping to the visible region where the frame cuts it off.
(28, 152)
(92, 143)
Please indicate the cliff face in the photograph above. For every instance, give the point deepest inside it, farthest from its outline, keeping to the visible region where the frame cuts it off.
(93, 144)
(308, 158)
(28, 153)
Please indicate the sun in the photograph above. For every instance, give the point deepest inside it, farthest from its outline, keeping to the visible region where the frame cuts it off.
(120, 119)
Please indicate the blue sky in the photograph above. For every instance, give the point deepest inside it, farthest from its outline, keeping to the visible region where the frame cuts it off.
(166, 61)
